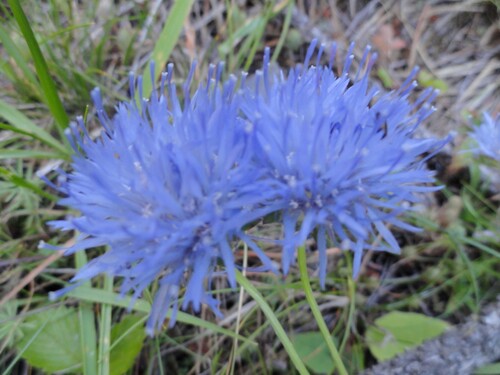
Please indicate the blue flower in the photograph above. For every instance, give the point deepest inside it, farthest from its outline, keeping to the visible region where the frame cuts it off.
(487, 137)
(166, 187)
(169, 187)
(343, 156)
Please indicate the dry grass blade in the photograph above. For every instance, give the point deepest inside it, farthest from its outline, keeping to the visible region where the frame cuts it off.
(31, 276)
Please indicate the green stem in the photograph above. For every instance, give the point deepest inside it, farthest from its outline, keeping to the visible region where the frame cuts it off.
(317, 313)
(278, 329)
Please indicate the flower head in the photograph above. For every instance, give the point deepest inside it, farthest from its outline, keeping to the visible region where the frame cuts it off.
(343, 156)
(166, 187)
(487, 137)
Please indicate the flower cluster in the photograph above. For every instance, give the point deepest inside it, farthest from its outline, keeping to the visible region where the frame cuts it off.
(487, 137)
(169, 188)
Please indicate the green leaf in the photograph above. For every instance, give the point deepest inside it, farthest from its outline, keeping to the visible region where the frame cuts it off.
(8, 323)
(397, 331)
(51, 340)
(492, 369)
(313, 351)
(126, 343)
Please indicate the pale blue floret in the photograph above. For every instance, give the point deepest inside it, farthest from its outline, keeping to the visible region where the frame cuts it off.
(487, 137)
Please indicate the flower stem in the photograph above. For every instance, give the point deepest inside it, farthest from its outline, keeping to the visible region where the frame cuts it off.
(317, 313)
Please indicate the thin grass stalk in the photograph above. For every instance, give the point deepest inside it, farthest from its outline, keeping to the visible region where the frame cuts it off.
(87, 326)
(165, 43)
(351, 288)
(105, 330)
(284, 31)
(232, 358)
(278, 328)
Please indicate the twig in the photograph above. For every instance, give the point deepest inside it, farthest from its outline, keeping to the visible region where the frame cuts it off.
(30, 276)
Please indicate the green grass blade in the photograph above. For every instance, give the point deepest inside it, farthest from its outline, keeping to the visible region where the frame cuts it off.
(46, 83)
(256, 37)
(27, 127)
(259, 330)
(22, 182)
(105, 330)
(278, 329)
(166, 41)
(17, 56)
(101, 296)
(87, 326)
(481, 246)
(284, 31)
(28, 154)
(227, 47)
